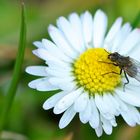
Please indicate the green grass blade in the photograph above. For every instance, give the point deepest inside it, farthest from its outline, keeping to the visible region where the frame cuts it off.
(17, 70)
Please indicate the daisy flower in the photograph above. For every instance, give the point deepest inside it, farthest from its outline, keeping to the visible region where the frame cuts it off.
(77, 64)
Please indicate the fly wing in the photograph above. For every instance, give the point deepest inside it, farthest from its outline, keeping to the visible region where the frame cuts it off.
(134, 69)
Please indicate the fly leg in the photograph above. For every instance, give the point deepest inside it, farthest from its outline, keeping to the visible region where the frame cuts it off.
(108, 63)
(120, 71)
(113, 72)
(127, 81)
(106, 51)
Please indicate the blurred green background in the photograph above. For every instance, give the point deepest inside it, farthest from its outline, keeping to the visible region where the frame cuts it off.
(27, 119)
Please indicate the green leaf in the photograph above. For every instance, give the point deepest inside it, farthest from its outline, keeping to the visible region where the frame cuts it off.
(17, 70)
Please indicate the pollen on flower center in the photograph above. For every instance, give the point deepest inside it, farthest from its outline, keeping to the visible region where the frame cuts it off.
(93, 71)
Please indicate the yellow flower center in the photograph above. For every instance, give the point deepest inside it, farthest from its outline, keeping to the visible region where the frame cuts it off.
(95, 72)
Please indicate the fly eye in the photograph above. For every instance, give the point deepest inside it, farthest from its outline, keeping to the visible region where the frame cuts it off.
(114, 57)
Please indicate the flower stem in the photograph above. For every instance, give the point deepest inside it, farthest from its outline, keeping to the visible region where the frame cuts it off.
(17, 70)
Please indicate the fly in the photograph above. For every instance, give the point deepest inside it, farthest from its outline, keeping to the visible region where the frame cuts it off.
(127, 64)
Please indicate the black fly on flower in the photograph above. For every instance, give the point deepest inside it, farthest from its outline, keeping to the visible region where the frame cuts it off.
(129, 65)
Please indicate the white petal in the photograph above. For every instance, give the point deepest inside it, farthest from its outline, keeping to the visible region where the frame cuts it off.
(66, 83)
(135, 114)
(58, 37)
(125, 112)
(99, 131)
(49, 44)
(99, 28)
(132, 40)
(134, 53)
(38, 44)
(57, 65)
(51, 102)
(112, 33)
(129, 96)
(113, 122)
(69, 32)
(68, 86)
(45, 86)
(67, 101)
(94, 119)
(106, 126)
(77, 27)
(81, 102)
(87, 23)
(37, 70)
(128, 119)
(120, 37)
(115, 102)
(42, 84)
(86, 114)
(33, 83)
(35, 53)
(103, 108)
(60, 68)
(122, 105)
(98, 102)
(67, 117)
(134, 84)
(57, 80)
(110, 103)
(53, 49)
(51, 59)
(58, 72)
